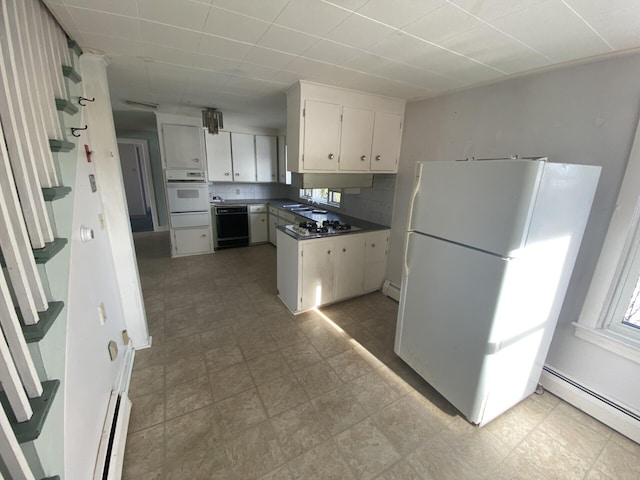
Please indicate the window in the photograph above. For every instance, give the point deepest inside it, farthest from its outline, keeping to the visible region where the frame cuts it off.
(610, 316)
(327, 196)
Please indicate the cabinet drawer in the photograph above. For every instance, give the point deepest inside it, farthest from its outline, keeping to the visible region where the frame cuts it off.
(273, 210)
(286, 217)
(191, 241)
(257, 208)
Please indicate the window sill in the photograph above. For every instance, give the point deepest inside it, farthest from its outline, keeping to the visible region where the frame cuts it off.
(614, 342)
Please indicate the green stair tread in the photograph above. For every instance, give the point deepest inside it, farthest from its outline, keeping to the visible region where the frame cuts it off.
(31, 429)
(54, 193)
(35, 333)
(71, 74)
(50, 249)
(61, 145)
(73, 45)
(64, 105)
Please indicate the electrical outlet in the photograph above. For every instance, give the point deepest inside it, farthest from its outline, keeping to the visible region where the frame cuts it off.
(237, 191)
(101, 220)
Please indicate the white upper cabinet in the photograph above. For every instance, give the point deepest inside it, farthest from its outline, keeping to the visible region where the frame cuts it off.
(322, 148)
(244, 157)
(332, 129)
(183, 147)
(387, 132)
(284, 176)
(219, 166)
(266, 158)
(355, 145)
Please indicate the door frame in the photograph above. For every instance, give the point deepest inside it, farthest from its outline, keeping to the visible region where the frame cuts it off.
(147, 178)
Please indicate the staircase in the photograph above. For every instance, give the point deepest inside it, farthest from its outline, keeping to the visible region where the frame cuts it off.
(42, 149)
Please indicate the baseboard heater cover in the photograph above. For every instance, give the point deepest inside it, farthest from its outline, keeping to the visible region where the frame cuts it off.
(391, 290)
(619, 417)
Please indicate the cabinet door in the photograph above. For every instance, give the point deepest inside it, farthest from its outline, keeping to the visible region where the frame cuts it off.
(258, 228)
(243, 153)
(284, 176)
(273, 223)
(375, 259)
(266, 158)
(191, 241)
(355, 140)
(318, 270)
(350, 250)
(321, 136)
(387, 133)
(183, 146)
(218, 148)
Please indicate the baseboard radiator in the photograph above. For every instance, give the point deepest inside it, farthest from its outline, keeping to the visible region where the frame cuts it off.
(617, 416)
(391, 290)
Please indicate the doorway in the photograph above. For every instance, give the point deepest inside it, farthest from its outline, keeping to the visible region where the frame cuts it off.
(138, 184)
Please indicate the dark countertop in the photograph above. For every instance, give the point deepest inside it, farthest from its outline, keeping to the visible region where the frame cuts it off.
(364, 225)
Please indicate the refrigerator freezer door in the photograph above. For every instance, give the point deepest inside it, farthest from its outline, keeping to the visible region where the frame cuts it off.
(447, 306)
(483, 204)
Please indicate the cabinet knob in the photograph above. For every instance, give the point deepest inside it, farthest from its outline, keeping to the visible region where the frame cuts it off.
(203, 235)
(196, 160)
(328, 252)
(331, 156)
(344, 249)
(226, 174)
(262, 220)
(363, 158)
(237, 174)
(373, 245)
(378, 158)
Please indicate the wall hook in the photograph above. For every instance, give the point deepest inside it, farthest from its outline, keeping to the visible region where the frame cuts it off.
(74, 130)
(81, 99)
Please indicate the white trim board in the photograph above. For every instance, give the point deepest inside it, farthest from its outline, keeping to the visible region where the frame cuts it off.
(618, 417)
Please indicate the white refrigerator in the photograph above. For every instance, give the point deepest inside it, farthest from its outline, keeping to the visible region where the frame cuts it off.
(489, 253)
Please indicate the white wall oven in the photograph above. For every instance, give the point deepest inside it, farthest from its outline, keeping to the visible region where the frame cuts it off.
(188, 204)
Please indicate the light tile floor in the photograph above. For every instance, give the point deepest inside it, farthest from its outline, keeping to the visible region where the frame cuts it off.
(236, 388)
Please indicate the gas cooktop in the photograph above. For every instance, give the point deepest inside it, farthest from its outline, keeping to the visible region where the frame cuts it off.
(313, 229)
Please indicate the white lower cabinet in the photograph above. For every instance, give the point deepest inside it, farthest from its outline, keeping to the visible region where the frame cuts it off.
(321, 271)
(317, 273)
(273, 224)
(375, 260)
(192, 241)
(258, 227)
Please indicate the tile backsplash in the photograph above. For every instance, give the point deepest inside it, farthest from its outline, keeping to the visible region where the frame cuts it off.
(373, 204)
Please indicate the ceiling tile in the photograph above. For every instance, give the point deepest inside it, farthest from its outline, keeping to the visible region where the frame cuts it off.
(445, 22)
(399, 14)
(110, 45)
(121, 7)
(415, 76)
(164, 54)
(215, 64)
(178, 13)
(595, 8)
(616, 20)
(359, 32)
(234, 26)
(108, 24)
(553, 30)
(495, 8)
(223, 47)
(366, 62)
(268, 57)
(62, 14)
(286, 40)
(489, 46)
(352, 5)
(331, 52)
(311, 16)
(252, 70)
(169, 36)
(398, 46)
(263, 10)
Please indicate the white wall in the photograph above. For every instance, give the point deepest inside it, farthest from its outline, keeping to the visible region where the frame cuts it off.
(584, 114)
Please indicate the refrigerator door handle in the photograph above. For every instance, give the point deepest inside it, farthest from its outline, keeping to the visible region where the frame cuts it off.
(405, 263)
(416, 190)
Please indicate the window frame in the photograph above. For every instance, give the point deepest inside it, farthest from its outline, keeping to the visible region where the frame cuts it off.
(314, 195)
(618, 266)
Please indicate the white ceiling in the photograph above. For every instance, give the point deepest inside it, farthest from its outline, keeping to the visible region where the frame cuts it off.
(241, 55)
